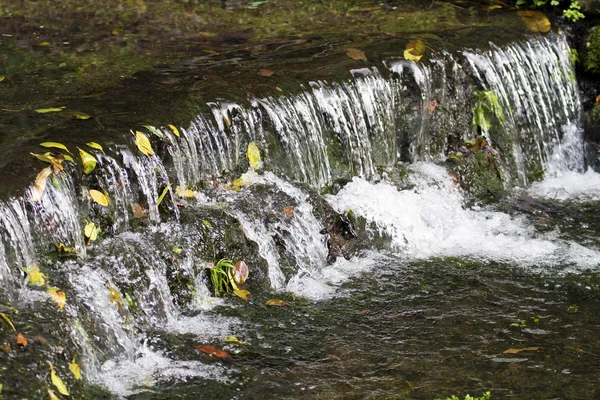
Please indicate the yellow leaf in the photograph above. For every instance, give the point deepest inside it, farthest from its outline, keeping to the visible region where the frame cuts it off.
(49, 110)
(80, 115)
(54, 159)
(243, 294)
(44, 44)
(517, 351)
(232, 339)
(174, 129)
(96, 146)
(115, 296)
(278, 89)
(64, 249)
(414, 50)
(265, 72)
(36, 277)
(277, 303)
(88, 161)
(100, 197)
(1, 78)
(68, 158)
(55, 145)
(57, 382)
(51, 395)
(57, 296)
(91, 231)
(40, 184)
(143, 143)
(184, 192)
(162, 196)
(75, 369)
(8, 321)
(238, 183)
(535, 21)
(253, 155)
(356, 54)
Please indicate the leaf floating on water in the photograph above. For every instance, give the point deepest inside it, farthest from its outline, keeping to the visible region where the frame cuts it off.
(154, 131)
(414, 50)
(242, 294)
(162, 196)
(355, 54)
(8, 321)
(143, 143)
(535, 21)
(57, 296)
(82, 116)
(289, 211)
(57, 382)
(55, 145)
(21, 341)
(277, 303)
(213, 351)
(91, 231)
(49, 110)
(40, 184)
(100, 197)
(96, 146)
(265, 72)
(517, 351)
(253, 154)
(55, 159)
(51, 395)
(88, 161)
(174, 129)
(36, 277)
(241, 272)
(75, 369)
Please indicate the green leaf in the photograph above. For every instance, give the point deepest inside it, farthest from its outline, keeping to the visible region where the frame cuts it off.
(154, 131)
(49, 110)
(162, 196)
(96, 146)
(88, 161)
(56, 145)
(69, 158)
(206, 223)
(79, 115)
(253, 155)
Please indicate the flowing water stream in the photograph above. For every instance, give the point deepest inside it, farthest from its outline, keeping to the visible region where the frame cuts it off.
(433, 290)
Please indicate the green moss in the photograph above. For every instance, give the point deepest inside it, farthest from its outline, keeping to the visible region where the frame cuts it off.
(478, 175)
(592, 57)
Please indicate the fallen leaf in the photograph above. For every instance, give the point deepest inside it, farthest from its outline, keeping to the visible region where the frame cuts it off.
(88, 161)
(55, 145)
(57, 296)
(8, 321)
(138, 211)
(174, 129)
(278, 89)
(99, 197)
(242, 294)
(597, 98)
(51, 395)
(75, 369)
(1, 78)
(55, 159)
(91, 231)
(49, 110)
(143, 143)
(184, 192)
(5, 347)
(232, 339)
(114, 295)
(96, 146)
(40, 184)
(277, 303)
(241, 272)
(355, 54)
(36, 277)
(432, 106)
(154, 131)
(206, 223)
(68, 158)
(414, 50)
(253, 154)
(213, 351)
(61, 248)
(289, 211)
(21, 341)
(82, 116)
(265, 72)
(57, 382)
(517, 351)
(162, 196)
(535, 21)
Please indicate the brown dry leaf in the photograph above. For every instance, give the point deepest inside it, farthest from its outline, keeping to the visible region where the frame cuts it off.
(138, 211)
(289, 211)
(598, 98)
(5, 347)
(278, 89)
(535, 21)
(21, 341)
(40, 184)
(517, 351)
(355, 54)
(432, 106)
(277, 303)
(265, 72)
(241, 272)
(213, 351)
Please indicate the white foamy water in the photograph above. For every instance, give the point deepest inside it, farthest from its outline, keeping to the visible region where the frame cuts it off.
(430, 220)
(569, 185)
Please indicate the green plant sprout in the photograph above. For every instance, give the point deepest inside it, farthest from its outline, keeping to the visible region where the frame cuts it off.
(225, 276)
(486, 105)
(486, 396)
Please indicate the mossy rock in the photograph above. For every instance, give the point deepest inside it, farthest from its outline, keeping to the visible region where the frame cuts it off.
(478, 174)
(591, 59)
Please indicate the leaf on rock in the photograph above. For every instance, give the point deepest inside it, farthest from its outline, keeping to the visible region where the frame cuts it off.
(143, 143)
(184, 192)
(8, 321)
(99, 197)
(355, 54)
(432, 106)
(96, 146)
(114, 296)
(57, 382)
(49, 110)
(241, 272)
(213, 351)
(68, 158)
(61, 248)
(21, 341)
(36, 277)
(75, 369)
(232, 339)
(91, 231)
(154, 131)
(174, 129)
(162, 196)
(289, 211)
(242, 294)
(138, 211)
(265, 72)
(55, 145)
(57, 296)
(277, 303)
(82, 116)
(51, 395)
(88, 161)
(40, 184)
(535, 21)
(55, 159)
(517, 351)
(414, 50)
(253, 154)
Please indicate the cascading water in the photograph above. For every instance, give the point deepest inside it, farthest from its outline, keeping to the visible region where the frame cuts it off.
(146, 276)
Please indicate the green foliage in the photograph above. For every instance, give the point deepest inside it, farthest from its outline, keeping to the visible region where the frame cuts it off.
(486, 106)
(572, 13)
(592, 57)
(485, 396)
(221, 277)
